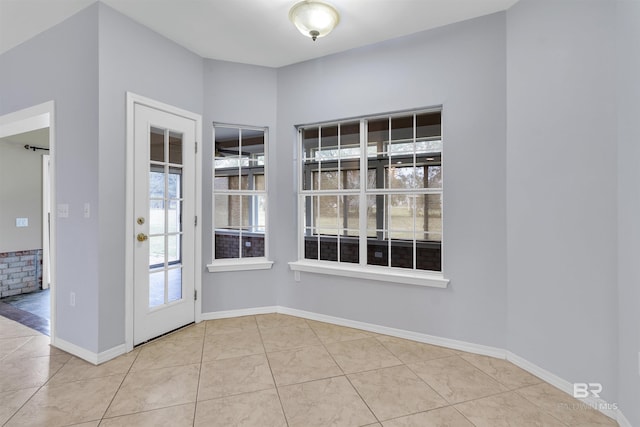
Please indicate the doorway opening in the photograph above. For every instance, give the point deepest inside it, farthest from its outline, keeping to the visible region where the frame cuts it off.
(27, 268)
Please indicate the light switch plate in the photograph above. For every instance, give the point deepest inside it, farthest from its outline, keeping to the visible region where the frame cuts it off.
(22, 222)
(63, 210)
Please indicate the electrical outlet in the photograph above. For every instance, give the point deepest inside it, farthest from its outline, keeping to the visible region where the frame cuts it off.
(72, 299)
(87, 210)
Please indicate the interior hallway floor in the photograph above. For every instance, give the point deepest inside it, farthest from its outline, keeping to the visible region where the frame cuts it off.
(274, 370)
(32, 309)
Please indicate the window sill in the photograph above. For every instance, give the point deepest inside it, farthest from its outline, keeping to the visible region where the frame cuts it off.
(242, 264)
(371, 272)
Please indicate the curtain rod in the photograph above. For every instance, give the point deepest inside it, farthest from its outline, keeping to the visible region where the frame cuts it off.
(31, 147)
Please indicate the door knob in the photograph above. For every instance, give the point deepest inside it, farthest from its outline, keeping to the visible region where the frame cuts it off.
(141, 237)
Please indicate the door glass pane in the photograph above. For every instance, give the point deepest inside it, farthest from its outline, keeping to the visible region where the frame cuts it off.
(156, 251)
(173, 216)
(175, 148)
(156, 182)
(156, 145)
(156, 288)
(175, 284)
(156, 216)
(173, 248)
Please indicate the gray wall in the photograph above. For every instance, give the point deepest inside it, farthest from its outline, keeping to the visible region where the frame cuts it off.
(20, 197)
(628, 70)
(463, 68)
(61, 64)
(561, 180)
(136, 59)
(246, 95)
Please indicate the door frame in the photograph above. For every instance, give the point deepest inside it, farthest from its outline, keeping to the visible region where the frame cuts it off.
(131, 100)
(33, 118)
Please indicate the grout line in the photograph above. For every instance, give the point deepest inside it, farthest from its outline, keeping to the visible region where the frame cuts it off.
(195, 405)
(120, 386)
(344, 374)
(275, 384)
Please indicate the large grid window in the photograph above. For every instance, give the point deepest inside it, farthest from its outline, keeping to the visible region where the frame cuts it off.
(371, 191)
(239, 192)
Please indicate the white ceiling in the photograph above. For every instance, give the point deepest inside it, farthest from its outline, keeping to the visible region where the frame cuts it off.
(251, 31)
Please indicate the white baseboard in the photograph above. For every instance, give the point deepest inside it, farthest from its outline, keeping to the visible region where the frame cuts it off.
(112, 353)
(238, 313)
(601, 405)
(89, 356)
(400, 333)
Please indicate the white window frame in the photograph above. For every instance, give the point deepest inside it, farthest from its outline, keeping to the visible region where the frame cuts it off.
(240, 263)
(361, 270)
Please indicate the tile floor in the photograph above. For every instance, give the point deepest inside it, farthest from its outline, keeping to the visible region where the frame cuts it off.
(274, 370)
(30, 309)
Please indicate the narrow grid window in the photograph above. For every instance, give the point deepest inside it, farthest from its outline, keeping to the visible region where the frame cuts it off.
(371, 191)
(239, 192)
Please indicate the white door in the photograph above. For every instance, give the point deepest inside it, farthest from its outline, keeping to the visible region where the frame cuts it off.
(164, 209)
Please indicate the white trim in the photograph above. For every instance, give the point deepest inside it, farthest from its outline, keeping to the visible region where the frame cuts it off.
(622, 420)
(112, 353)
(25, 120)
(213, 315)
(239, 264)
(89, 356)
(400, 333)
(598, 404)
(131, 100)
(371, 272)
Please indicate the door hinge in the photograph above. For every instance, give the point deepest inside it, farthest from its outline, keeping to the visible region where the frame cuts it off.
(195, 295)
(196, 147)
(195, 222)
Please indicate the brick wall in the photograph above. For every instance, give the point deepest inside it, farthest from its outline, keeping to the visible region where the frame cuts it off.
(227, 245)
(20, 272)
(428, 256)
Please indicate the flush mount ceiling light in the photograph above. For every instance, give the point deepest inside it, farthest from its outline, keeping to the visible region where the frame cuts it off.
(314, 18)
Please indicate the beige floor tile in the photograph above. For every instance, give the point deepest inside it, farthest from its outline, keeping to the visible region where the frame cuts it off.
(328, 402)
(37, 346)
(288, 338)
(196, 330)
(506, 373)
(395, 392)
(154, 389)
(564, 407)
(166, 353)
(506, 410)
(276, 320)
(303, 364)
(257, 409)
(456, 380)
(442, 417)
(11, 401)
(95, 423)
(412, 351)
(11, 329)
(9, 345)
(225, 346)
(17, 374)
(77, 369)
(174, 416)
(231, 325)
(329, 333)
(234, 376)
(70, 403)
(361, 355)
